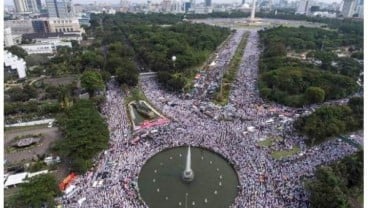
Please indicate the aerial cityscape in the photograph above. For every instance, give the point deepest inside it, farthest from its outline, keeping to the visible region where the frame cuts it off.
(183, 103)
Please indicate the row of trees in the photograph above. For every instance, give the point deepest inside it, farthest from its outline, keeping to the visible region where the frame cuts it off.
(338, 185)
(330, 121)
(85, 135)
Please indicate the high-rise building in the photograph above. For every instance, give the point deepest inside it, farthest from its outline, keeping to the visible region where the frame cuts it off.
(60, 8)
(208, 3)
(22, 6)
(32, 6)
(348, 8)
(166, 5)
(39, 4)
(303, 7)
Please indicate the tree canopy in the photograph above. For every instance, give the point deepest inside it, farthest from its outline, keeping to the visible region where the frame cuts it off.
(339, 184)
(329, 121)
(85, 135)
(40, 191)
(92, 81)
(151, 40)
(297, 82)
(18, 51)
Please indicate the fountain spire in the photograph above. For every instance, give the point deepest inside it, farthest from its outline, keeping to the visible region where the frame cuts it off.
(188, 174)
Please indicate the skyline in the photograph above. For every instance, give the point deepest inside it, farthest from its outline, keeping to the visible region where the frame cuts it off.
(11, 2)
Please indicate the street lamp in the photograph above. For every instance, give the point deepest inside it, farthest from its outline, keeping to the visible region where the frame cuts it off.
(173, 58)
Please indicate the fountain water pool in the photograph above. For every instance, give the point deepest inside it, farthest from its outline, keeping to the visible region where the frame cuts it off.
(214, 185)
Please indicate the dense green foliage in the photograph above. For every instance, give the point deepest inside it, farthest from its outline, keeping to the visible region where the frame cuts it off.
(152, 41)
(22, 94)
(85, 135)
(37, 107)
(18, 51)
(304, 38)
(329, 121)
(92, 82)
(339, 184)
(234, 14)
(289, 85)
(40, 191)
(297, 82)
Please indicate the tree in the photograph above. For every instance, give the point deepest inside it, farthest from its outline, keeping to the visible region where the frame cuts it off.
(17, 94)
(314, 95)
(326, 58)
(86, 134)
(18, 51)
(327, 191)
(127, 74)
(38, 192)
(64, 97)
(30, 91)
(92, 81)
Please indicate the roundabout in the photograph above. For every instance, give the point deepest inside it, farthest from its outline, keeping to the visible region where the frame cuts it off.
(162, 183)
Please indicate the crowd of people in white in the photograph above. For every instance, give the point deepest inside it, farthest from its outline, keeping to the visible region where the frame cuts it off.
(264, 181)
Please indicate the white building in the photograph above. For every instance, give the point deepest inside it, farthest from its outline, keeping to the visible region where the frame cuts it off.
(348, 8)
(324, 14)
(19, 27)
(8, 38)
(303, 7)
(64, 25)
(12, 62)
(44, 48)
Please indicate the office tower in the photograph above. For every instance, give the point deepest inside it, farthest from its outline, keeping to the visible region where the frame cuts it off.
(32, 6)
(348, 8)
(20, 5)
(25, 6)
(208, 3)
(303, 7)
(39, 5)
(60, 8)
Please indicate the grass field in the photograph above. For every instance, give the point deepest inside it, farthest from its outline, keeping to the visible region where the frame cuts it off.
(278, 155)
(269, 141)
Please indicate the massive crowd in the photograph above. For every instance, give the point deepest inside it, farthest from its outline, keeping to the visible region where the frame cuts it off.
(264, 182)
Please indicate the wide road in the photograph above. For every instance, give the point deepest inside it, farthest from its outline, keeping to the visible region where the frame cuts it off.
(264, 182)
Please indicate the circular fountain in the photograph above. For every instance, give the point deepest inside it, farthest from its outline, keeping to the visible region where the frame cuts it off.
(167, 180)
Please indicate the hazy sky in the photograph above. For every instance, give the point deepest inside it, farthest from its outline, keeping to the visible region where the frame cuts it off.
(10, 2)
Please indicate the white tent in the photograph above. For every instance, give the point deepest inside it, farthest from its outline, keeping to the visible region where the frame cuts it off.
(15, 179)
(19, 178)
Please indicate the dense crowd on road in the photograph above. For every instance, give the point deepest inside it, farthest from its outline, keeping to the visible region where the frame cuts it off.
(264, 181)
